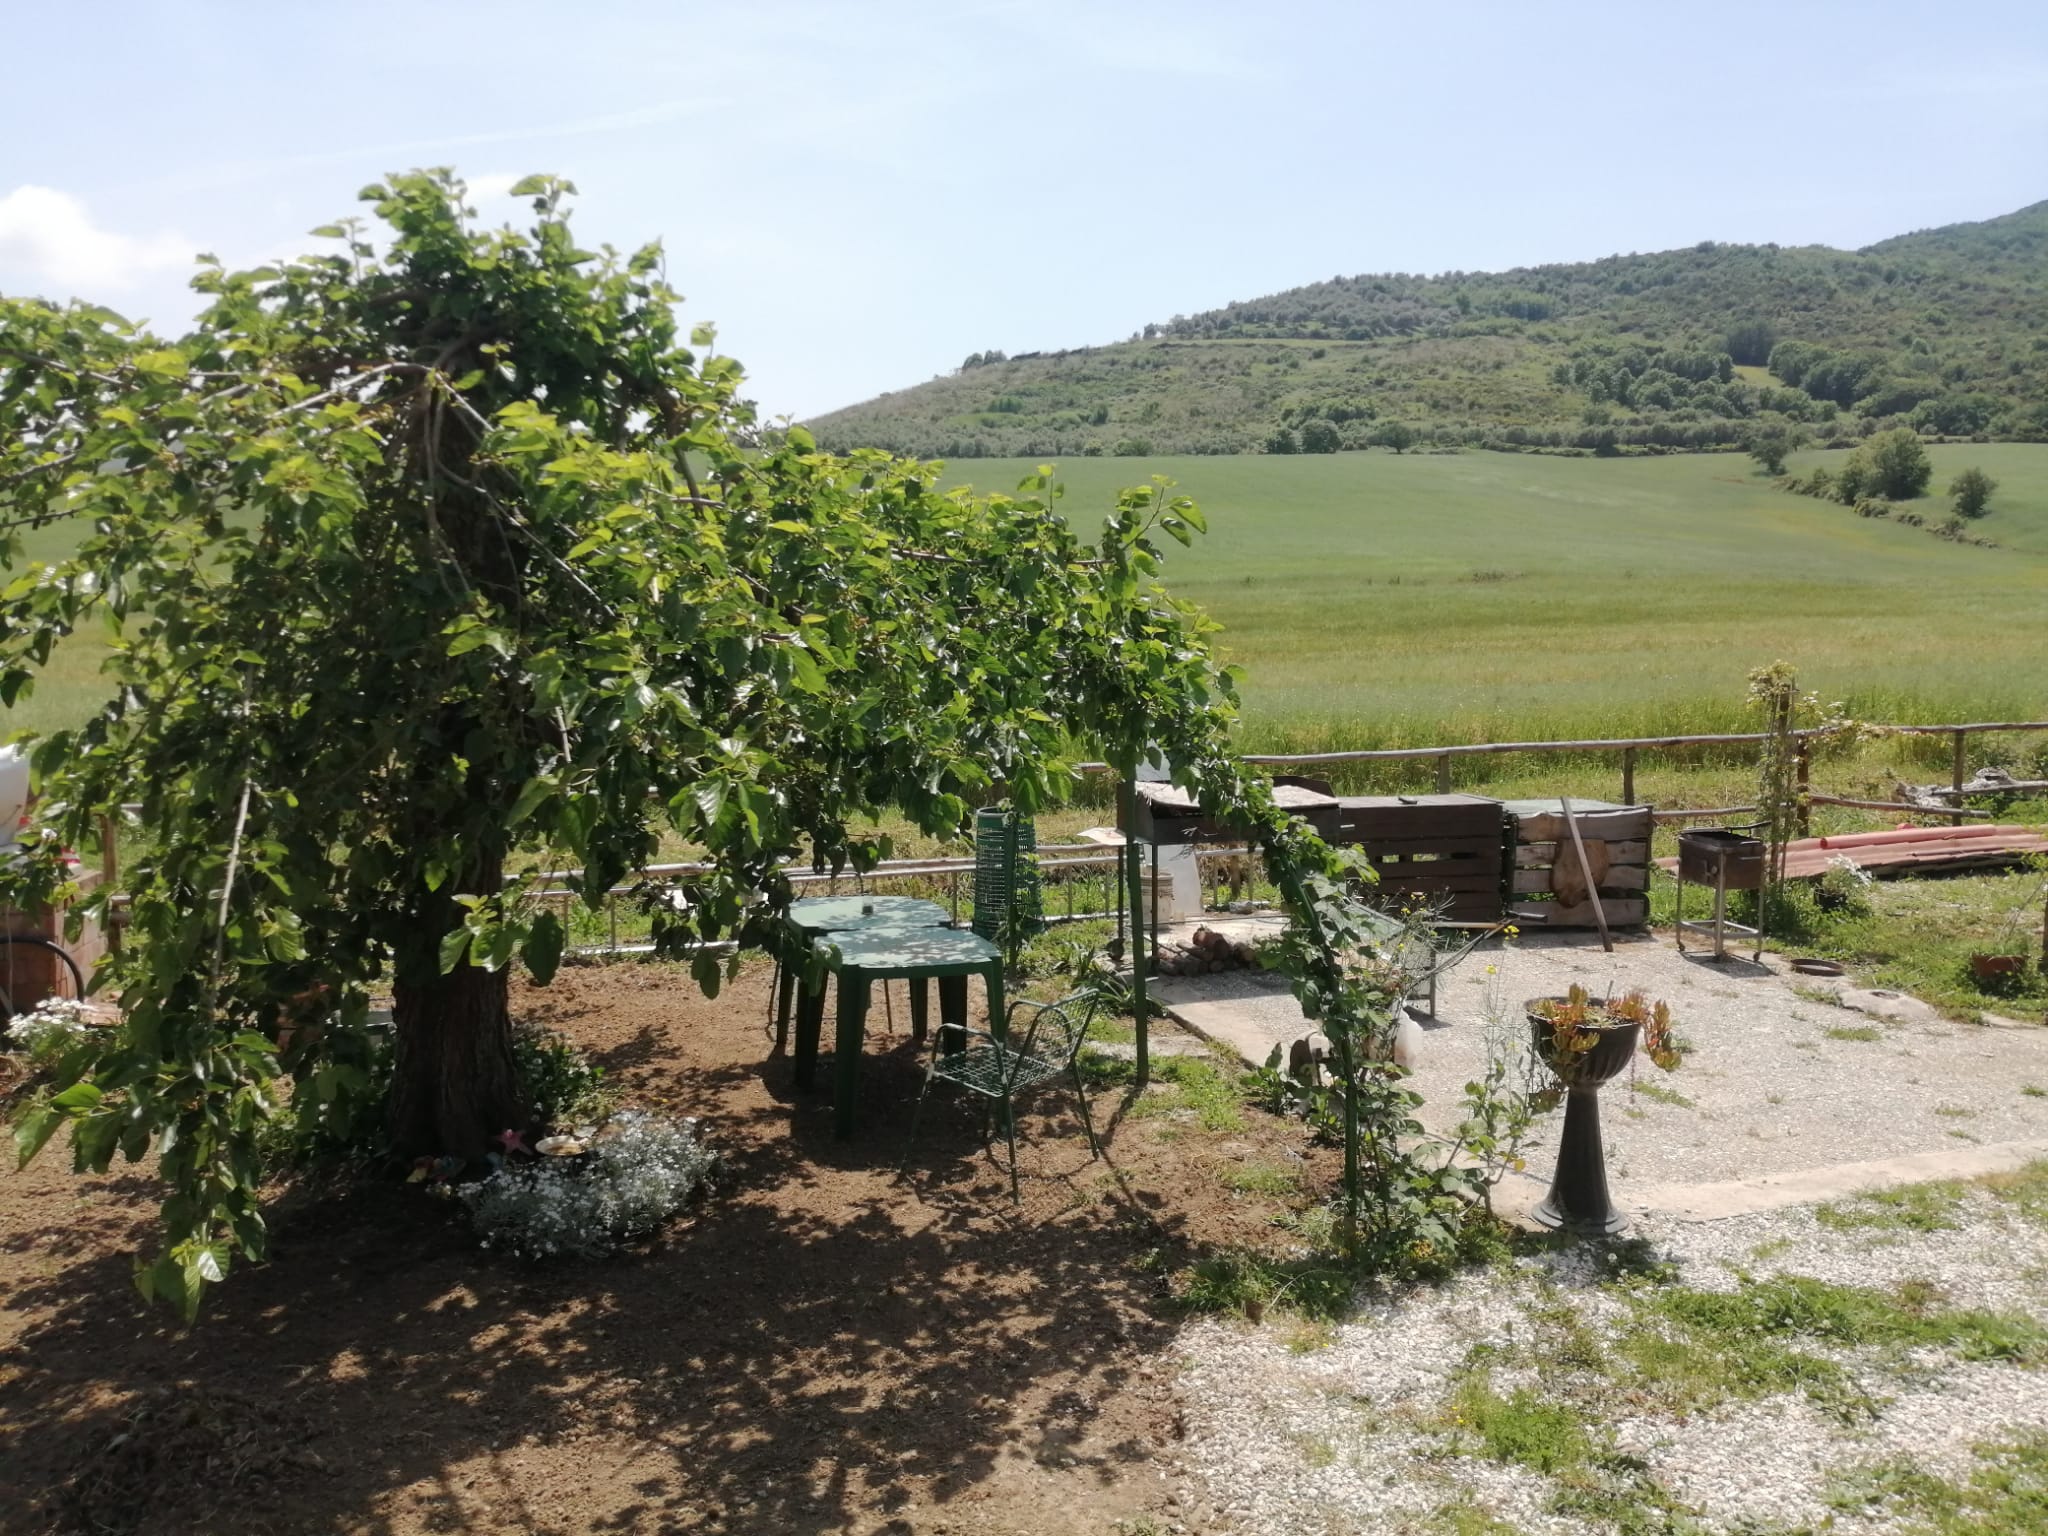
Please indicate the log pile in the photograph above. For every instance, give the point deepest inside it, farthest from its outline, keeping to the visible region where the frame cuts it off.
(1208, 953)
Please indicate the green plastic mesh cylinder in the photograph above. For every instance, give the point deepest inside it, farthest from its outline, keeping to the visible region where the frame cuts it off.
(1007, 898)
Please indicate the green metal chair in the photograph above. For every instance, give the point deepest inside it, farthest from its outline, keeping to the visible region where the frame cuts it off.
(998, 1070)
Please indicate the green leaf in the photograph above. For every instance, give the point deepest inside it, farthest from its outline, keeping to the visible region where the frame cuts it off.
(79, 1096)
(531, 796)
(545, 941)
(453, 948)
(529, 186)
(710, 795)
(805, 672)
(33, 1130)
(94, 1140)
(706, 971)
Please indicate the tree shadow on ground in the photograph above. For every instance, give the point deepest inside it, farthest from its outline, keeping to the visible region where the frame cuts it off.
(828, 1340)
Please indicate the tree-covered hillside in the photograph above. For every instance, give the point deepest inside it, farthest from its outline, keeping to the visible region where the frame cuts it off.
(1944, 330)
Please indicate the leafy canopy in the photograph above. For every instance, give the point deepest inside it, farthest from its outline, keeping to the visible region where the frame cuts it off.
(441, 557)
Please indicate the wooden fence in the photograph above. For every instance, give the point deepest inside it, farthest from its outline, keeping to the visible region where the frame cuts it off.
(949, 871)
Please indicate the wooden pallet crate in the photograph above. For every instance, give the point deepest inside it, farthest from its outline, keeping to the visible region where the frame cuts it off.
(1548, 884)
(1440, 851)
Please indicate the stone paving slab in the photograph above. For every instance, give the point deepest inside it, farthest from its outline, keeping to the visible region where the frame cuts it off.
(1246, 1012)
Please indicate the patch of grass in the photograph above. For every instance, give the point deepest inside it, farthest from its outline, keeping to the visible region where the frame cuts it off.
(1693, 1350)
(1245, 1281)
(2034, 1091)
(1312, 1336)
(1261, 1178)
(1918, 934)
(1867, 1033)
(1524, 1428)
(1960, 628)
(2004, 1494)
(1685, 1372)
(1909, 1207)
(1658, 1093)
(1763, 1312)
(1317, 1452)
(2024, 1189)
(1563, 1441)
(1193, 1083)
(1820, 995)
(1465, 1518)
(1954, 1112)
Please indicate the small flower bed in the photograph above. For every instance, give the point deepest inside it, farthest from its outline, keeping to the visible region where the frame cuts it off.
(48, 1030)
(636, 1173)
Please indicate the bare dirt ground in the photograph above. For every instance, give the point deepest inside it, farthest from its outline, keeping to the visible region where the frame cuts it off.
(825, 1345)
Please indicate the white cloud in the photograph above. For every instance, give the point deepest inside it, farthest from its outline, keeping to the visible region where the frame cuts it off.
(485, 189)
(50, 236)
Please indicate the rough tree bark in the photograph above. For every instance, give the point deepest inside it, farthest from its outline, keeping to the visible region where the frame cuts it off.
(455, 1083)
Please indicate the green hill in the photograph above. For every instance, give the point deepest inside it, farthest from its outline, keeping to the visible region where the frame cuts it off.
(1945, 330)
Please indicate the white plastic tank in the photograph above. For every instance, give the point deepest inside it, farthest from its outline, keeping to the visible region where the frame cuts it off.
(13, 792)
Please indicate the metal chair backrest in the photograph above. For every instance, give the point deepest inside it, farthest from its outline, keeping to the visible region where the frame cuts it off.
(1068, 1018)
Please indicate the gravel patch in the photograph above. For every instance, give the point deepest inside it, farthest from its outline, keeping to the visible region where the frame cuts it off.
(1770, 1089)
(1291, 1429)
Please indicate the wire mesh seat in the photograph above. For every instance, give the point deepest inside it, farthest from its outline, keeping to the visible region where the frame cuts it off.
(996, 1070)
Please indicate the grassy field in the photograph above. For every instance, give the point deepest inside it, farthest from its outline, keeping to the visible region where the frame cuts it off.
(1383, 600)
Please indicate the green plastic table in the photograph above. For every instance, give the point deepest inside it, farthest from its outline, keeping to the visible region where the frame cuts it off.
(870, 954)
(814, 915)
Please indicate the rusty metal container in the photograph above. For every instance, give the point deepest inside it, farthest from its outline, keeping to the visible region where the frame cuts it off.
(1718, 857)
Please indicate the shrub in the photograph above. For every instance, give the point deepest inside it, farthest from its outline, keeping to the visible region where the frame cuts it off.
(1843, 889)
(1319, 436)
(1972, 490)
(639, 1172)
(1899, 466)
(1853, 479)
(1283, 441)
(566, 1087)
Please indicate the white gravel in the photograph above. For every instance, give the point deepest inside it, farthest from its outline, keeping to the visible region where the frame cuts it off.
(1292, 1430)
(1770, 1088)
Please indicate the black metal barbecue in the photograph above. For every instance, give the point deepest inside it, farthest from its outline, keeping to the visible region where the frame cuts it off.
(1727, 859)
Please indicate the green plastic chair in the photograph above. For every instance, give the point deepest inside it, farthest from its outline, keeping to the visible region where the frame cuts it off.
(998, 1070)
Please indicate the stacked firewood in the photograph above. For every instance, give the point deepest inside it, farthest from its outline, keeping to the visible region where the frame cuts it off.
(1207, 953)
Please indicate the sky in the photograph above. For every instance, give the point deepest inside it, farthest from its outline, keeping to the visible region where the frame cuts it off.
(859, 194)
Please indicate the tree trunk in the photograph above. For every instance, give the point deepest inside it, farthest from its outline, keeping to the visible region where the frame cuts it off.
(455, 1084)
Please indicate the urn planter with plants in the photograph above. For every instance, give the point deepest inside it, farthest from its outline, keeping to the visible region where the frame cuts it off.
(1585, 1044)
(2001, 965)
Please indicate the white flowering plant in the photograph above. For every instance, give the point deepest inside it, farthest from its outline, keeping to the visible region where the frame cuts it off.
(48, 1030)
(638, 1171)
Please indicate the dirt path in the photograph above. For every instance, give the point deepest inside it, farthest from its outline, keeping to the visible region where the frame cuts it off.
(824, 1346)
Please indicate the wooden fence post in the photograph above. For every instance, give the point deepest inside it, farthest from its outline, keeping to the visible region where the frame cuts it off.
(1628, 775)
(1443, 774)
(1802, 767)
(1961, 741)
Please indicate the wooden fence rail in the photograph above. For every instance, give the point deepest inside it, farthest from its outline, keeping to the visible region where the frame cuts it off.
(1628, 747)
